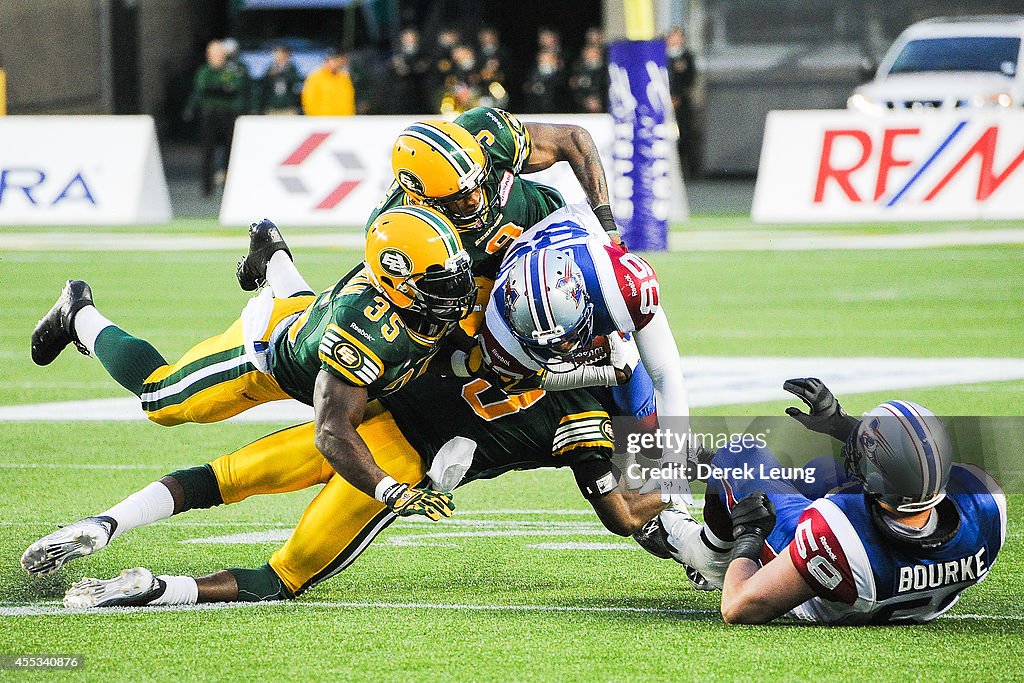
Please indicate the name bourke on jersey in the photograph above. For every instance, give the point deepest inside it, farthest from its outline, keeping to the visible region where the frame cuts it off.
(861, 577)
(622, 286)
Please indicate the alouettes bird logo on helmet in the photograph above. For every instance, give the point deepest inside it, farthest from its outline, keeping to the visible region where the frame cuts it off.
(870, 440)
(571, 282)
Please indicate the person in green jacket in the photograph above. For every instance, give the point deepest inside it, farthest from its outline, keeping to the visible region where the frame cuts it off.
(218, 96)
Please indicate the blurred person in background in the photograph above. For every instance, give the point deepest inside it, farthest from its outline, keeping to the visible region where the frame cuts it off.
(407, 70)
(594, 37)
(281, 86)
(232, 49)
(218, 97)
(548, 40)
(462, 82)
(328, 91)
(492, 54)
(447, 38)
(545, 86)
(588, 84)
(682, 73)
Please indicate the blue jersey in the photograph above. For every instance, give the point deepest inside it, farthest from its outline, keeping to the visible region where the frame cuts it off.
(860, 576)
(622, 287)
(857, 574)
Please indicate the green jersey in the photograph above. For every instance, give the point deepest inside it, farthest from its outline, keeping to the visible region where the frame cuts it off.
(223, 89)
(526, 431)
(520, 203)
(353, 332)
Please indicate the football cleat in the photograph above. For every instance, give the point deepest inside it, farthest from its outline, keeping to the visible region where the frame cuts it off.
(698, 581)
(55, 330)
(653, 538)
(264, 240)
(131, 588)
(53, 551)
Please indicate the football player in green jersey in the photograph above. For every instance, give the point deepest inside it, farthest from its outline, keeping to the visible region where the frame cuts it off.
(470, 170)
(499, 432)
(364, 338)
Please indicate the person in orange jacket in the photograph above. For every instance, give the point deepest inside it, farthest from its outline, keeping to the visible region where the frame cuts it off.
(328, 91)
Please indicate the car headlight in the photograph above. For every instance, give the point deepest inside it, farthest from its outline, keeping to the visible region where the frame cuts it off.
(864, 104)
(995, 99)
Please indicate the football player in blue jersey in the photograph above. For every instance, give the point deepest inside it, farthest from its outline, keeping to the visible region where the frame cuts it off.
(897, 542)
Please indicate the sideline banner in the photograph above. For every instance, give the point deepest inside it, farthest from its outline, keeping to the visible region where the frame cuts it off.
(644, 174)
(333, 171)
(844, 166)
(81, 170)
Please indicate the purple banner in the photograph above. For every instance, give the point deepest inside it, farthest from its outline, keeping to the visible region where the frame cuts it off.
(640, 103)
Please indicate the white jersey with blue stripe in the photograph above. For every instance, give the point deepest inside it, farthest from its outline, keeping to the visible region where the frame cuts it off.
(861, 576)
(622, 286)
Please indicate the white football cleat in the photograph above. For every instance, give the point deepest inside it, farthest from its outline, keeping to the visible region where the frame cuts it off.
(705, 568)
(81, 538)
(131, 588)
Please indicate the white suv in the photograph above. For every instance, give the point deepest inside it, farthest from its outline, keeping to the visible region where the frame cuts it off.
(949, 62)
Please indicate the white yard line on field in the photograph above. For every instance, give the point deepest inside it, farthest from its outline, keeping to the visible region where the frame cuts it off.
(711, 381)
(691, 241)
(55, 609)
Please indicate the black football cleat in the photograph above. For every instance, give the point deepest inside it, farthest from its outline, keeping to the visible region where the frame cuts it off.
(264, 240)
(55, 330)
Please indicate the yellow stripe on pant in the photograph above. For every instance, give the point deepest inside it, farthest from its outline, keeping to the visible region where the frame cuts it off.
(341, 521)
(213, 380)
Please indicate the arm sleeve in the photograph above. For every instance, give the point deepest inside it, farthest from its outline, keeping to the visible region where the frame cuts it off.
(818, 555)
(660, 355)
(346, 357)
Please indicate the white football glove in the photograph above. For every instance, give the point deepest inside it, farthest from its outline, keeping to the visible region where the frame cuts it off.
(623, 354)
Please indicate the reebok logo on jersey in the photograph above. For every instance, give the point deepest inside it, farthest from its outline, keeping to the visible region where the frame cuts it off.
(361, 332)
(497, 121)
(922, 576)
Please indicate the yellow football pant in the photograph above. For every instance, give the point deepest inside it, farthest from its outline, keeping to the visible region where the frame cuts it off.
(214, 380)
(341, 521)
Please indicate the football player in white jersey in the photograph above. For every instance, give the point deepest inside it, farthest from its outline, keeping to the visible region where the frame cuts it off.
(897, 542)
(562, 285)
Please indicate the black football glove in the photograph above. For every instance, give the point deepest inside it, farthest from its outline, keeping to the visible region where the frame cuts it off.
(753, 519)
(407, 501)
(826, 415)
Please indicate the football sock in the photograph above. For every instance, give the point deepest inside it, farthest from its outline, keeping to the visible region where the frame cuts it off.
(178, 590)
(284, 278)
(149, 505)
(88, 323)
(128, 359)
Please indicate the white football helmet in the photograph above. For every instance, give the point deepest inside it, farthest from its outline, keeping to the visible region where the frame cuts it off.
(547, 308)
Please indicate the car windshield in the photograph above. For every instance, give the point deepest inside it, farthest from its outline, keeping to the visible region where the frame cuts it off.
(979, 53)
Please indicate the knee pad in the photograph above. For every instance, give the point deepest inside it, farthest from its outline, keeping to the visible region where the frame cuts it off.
(200, 487)
(259, 585)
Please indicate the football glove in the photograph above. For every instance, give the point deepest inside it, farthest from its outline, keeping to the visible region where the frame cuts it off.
(624, 356)
(753, 518)
(407, 501)
(826, 415)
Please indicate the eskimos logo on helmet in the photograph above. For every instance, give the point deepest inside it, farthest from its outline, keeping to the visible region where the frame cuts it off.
(409, 181)
(395, 262)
